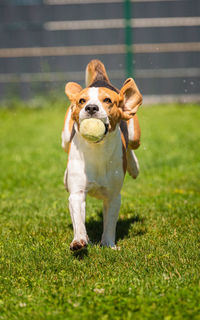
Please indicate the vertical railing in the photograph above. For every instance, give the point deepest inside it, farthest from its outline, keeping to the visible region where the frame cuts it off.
(128, 39)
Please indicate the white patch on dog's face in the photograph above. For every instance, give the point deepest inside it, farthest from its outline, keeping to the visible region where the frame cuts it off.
(94, 99)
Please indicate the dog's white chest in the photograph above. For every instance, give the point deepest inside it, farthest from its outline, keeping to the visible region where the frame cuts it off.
(96, 168)
(104, 179)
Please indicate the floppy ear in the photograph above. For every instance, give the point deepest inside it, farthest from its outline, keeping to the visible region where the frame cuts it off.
(131, 100)
(72, 89)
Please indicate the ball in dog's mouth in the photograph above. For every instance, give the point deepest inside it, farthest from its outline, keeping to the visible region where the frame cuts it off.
(92, 129)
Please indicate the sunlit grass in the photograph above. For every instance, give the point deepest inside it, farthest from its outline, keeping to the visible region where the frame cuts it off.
(155, 275)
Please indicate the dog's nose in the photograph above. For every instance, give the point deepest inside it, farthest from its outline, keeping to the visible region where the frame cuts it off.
(91, 108)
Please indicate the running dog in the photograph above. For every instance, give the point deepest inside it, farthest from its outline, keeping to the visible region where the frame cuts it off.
(98, 168)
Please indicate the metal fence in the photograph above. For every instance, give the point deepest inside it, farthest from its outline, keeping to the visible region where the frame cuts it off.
(46, 43)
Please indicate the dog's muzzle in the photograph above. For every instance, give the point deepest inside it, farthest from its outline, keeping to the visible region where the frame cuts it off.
(91, 109)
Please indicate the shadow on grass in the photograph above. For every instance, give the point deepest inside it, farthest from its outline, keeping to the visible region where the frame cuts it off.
(95, 227)
(124, 225)
(80, 254)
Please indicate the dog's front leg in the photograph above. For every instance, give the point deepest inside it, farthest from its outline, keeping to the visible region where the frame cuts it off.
(77, 212)
(110, 216)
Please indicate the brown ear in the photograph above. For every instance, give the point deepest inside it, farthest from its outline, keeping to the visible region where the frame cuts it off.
(72, 89)
(132, 98)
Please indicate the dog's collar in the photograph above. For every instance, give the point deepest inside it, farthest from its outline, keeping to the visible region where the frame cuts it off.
(103, 84)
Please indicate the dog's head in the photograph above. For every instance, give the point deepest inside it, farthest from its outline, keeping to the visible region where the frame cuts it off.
(104, 102)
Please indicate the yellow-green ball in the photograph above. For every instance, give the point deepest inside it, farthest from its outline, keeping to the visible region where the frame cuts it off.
(92, 129)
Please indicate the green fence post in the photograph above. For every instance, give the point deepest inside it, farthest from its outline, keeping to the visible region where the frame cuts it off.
(128, 39)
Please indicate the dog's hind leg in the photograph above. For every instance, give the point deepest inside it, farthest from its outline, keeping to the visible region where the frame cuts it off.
(68, 130)
(110, 216)
(133, 143)
(132, 163)
(134, 133)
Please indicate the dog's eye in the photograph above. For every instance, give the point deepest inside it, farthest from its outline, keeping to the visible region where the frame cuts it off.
(81, 101)
(107, 100)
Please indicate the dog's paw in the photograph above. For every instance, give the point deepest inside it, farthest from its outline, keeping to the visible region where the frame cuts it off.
(109, 244)
(113, 247)
(78, 245)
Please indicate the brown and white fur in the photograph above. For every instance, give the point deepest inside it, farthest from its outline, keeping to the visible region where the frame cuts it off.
(98, 169)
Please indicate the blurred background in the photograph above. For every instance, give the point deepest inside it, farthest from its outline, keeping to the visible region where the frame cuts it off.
(45, 43)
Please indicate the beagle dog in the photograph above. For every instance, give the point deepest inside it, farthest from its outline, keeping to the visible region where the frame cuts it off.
(98, 168)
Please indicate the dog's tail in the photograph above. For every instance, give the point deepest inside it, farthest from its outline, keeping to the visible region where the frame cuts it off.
(95, 71)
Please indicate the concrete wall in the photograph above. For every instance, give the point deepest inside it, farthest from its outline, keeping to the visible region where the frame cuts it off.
(167, 47)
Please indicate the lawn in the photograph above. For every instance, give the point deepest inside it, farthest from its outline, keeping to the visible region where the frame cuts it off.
(155, 275)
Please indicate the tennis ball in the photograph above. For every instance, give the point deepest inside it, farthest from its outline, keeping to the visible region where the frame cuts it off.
(92, 129)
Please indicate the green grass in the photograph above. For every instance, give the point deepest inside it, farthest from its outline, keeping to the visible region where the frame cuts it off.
(155, 275)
